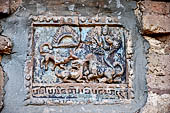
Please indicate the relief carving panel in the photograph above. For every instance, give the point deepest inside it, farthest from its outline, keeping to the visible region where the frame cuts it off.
(75, 60)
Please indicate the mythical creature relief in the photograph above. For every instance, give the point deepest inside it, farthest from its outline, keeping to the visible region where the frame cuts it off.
(103, 43)
(89, 61)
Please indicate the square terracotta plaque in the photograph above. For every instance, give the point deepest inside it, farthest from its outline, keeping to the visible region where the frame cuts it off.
(78, 60)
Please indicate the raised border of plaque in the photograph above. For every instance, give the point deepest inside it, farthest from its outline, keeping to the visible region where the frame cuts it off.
(76, 90)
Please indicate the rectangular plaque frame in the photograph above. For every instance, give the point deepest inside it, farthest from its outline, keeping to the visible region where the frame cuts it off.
(41, 90)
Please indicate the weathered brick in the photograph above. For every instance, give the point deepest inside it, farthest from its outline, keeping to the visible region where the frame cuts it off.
(5, 45)
(4, 6)
(156, 7)
(156, 17)
(158, 71)
(9, 6)
(14, 4)
(153, 23)
(158, 63)
(157, 103)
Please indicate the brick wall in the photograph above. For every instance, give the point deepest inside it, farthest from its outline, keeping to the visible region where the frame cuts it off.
(155, 23)
(154, 18)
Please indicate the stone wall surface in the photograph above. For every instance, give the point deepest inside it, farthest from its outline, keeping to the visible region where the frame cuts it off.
(153, 19)
(156, 30)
